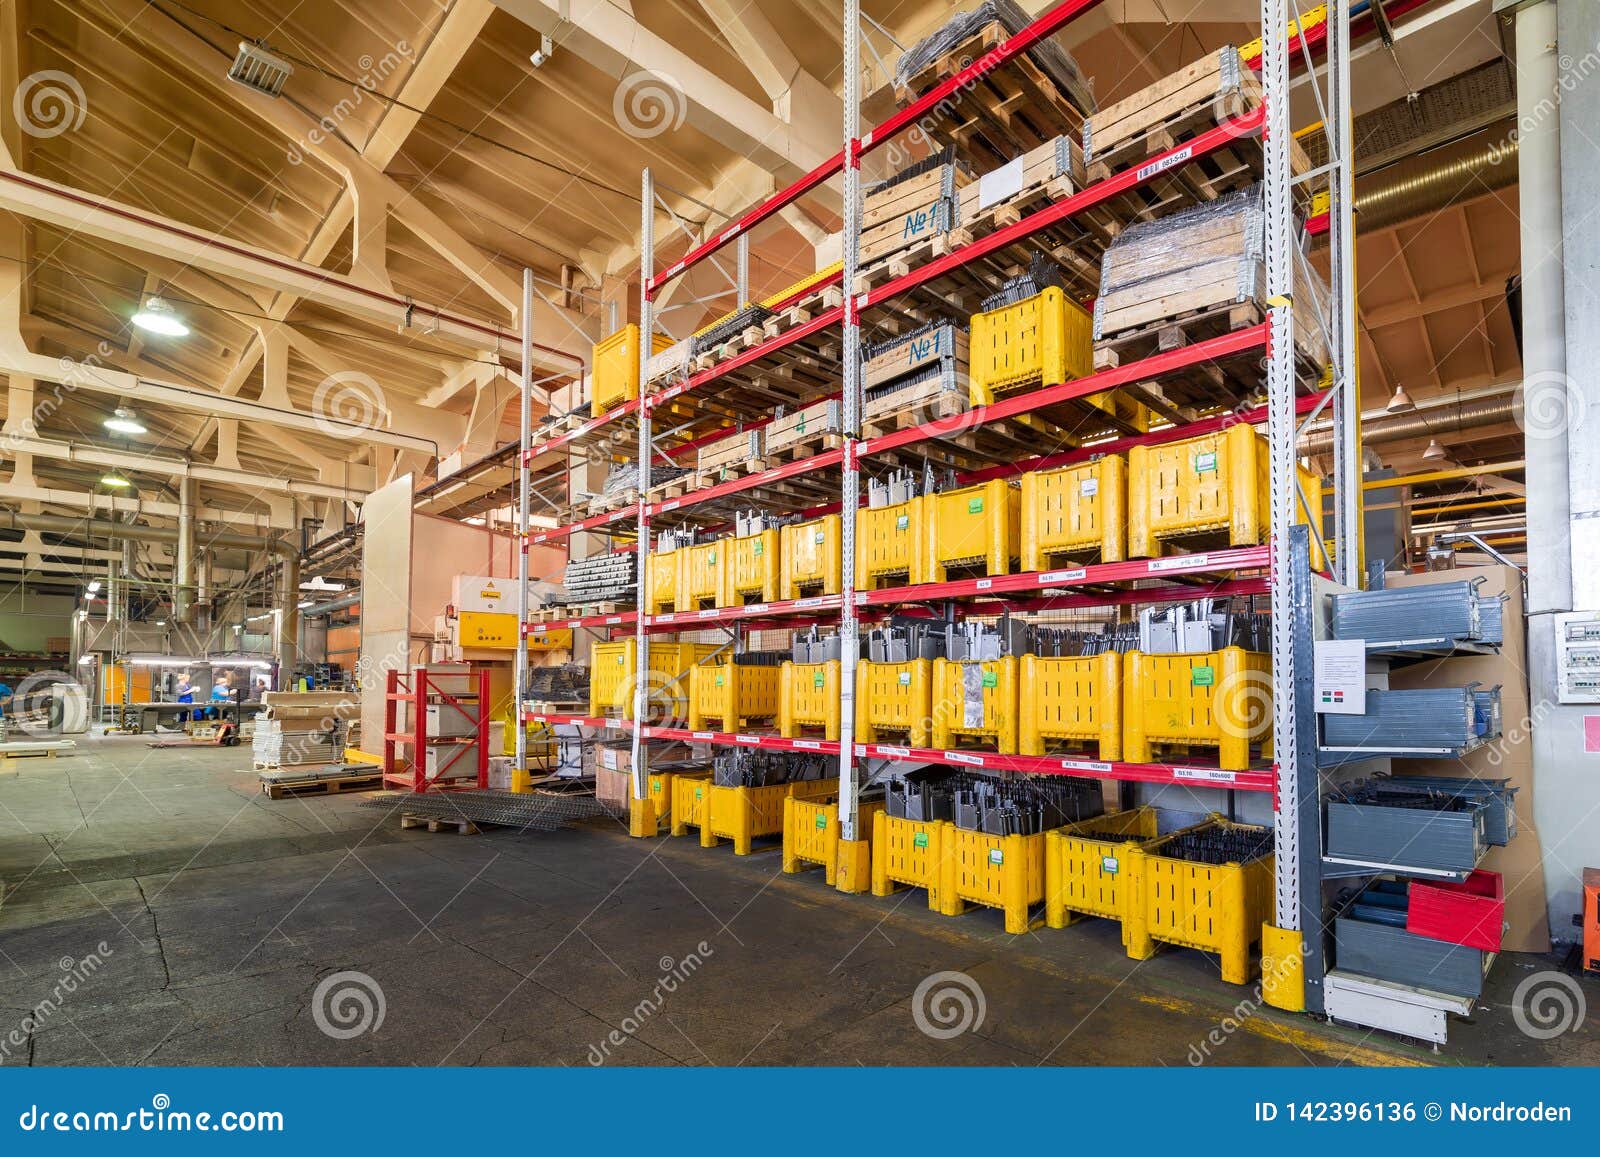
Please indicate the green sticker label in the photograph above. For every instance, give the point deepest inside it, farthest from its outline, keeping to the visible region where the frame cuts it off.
(820, 537)
(719, 681)
(1202, 677)
(712, 560)
(1109, 865)
(822, 821)
(996, 856)
(621, 661)
(991, 679)
(761, 548)
(655, 786)
(818, 679)
(905, 678)
(903, 522)
(1205, 463)
(698, 792)
(920, 840)
(974, 506)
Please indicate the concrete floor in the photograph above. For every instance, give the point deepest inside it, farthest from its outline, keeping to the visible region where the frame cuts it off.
(221, 913)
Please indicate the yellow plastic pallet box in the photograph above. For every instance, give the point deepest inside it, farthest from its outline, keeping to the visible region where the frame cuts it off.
(812, 557)
(808, 696)
(1216, 908)
(975, 526)
(1220, 699)
(661, 589)
(753, 569)
(658, 800)
(1078, 511)
(733, 694)
(1216, 485)
(912, 853)
(973, 700)
(615, 374)
(700, 574)
(811, 833)
(895, 697)
(1043, 341)
(892, 541)
(612, 668)
(741, 814)
(1075, 699)
(1005, 872)
(1084, 864)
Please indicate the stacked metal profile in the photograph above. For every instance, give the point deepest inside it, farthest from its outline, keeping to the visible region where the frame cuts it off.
(625, 476)
(728, 328)
(1419, 618)
(998, 807)
(568, 683)
(603, 578)
(1410, 830)
(1042, 274)
(1427, 719)
(741, 768)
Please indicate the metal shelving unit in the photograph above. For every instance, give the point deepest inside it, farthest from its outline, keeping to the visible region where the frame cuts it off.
(1282, 568)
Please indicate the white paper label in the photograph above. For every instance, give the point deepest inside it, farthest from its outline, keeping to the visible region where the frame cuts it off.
(1001, 184)
(1165, 163)
(703, 735)
(1062, 576)
(1203, 774)
(808, 744)
(892, 752)
(1089, 487)
(963, 757)
(750, 739)
(1339, 683)
(1177, 562)
(1083, 765)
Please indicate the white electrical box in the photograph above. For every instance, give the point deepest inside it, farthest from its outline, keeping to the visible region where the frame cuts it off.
(484, 595)
(1578, 657)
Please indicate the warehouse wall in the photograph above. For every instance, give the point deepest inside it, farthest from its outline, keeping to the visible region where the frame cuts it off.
(29, 621)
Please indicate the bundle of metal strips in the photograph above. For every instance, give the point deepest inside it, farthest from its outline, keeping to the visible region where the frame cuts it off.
(533, 811)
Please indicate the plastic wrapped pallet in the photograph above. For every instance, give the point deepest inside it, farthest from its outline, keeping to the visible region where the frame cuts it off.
(1055, 61)
(1208, 258)
(669, 363)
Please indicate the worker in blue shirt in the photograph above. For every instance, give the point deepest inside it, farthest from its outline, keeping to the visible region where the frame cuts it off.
(5, 696)
(185, 694)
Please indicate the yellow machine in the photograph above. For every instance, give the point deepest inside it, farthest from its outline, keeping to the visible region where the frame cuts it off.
(1078, 511)
(975, 526)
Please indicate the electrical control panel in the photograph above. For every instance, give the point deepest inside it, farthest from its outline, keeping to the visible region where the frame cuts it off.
(1578, 657)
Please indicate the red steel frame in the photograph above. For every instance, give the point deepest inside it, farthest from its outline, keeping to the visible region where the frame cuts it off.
(418, 690)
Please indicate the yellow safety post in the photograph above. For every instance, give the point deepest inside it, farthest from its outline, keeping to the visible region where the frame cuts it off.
(1283, 968)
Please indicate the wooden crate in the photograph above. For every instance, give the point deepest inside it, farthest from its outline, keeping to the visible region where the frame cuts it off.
(901, 213)
(1211, 91)
(1058, 162)
(805, 426)
(735, 453)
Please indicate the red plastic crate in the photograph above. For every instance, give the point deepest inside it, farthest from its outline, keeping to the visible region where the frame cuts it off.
(1471, 913)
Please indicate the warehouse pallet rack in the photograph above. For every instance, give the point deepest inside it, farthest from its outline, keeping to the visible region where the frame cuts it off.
(1281, 568)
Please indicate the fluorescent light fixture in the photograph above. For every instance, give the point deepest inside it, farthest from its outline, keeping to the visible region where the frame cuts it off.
(125, 421)
(157, 317)
(304, 605)
(161, 622)
(94, 586)
(321, 584)
(85, 660)
(115, 480)
(256, 68)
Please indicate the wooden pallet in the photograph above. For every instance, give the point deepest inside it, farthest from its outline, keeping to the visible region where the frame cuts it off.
(308, 787)
(606, 503)
(1007, 112)
(435, 824)
(803, 310)
(805, 447)
(1182, 394)
(909, 258)
(559, 706)
(729, 472)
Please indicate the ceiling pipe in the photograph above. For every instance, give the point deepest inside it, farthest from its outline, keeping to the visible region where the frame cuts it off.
(1430, 422)
(183, 561)
(1482, 163)
(323, 609)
